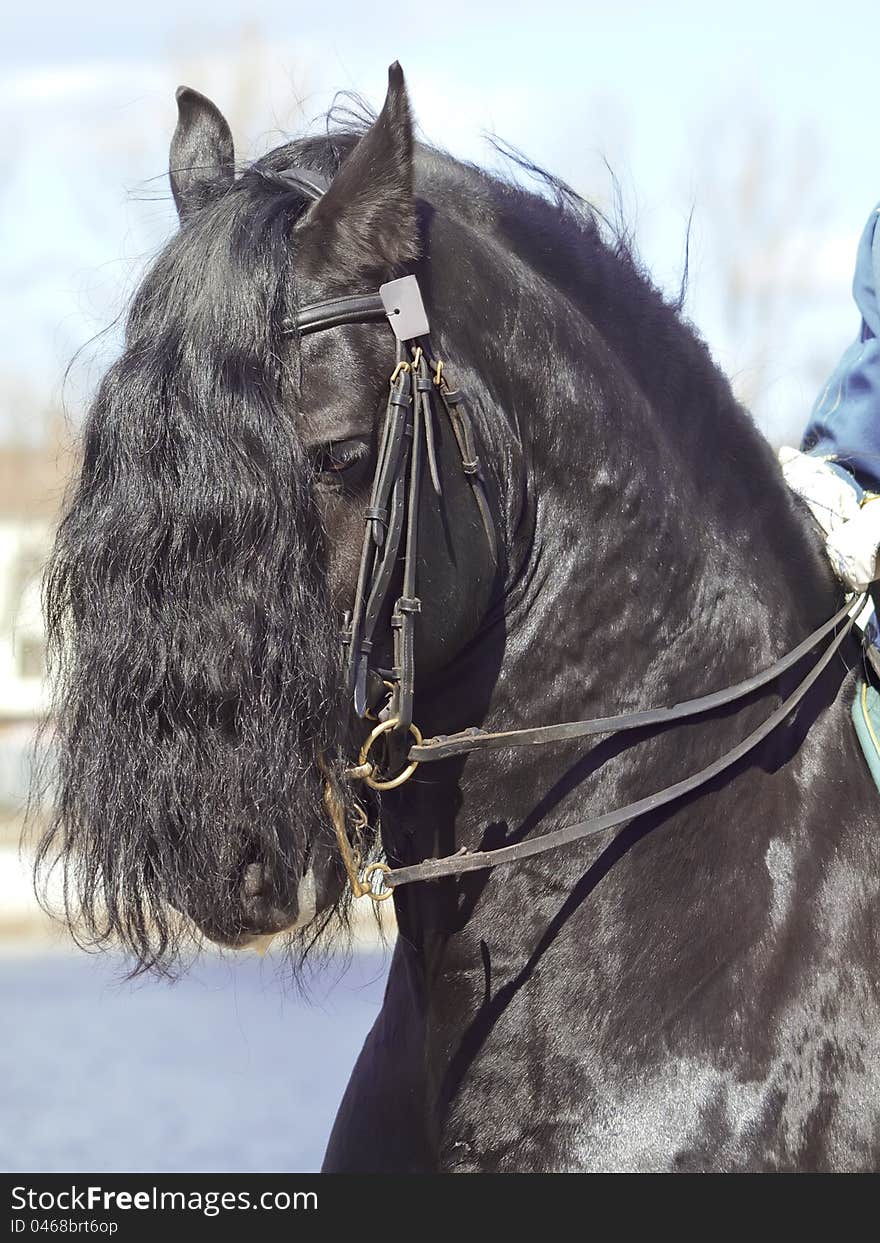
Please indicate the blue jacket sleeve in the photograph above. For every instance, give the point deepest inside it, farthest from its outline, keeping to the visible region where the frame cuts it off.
(845, 423)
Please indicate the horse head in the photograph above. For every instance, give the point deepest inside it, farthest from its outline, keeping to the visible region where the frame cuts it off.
(212, 545)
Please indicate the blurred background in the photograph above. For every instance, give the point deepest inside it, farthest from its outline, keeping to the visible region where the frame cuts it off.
(747, 129)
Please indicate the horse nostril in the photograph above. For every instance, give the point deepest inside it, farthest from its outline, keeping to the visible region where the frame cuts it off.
(253, 881)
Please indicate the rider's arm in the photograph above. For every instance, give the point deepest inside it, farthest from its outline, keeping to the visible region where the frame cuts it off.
(844, 426)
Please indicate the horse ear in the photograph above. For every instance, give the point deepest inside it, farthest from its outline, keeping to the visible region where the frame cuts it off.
(366, 221)
(202, 152)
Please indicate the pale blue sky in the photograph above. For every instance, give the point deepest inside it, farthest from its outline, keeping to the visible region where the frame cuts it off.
(680, 97)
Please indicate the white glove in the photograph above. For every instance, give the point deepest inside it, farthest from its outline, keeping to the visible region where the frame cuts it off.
(832, 500)
(852, 531)
(852, 548)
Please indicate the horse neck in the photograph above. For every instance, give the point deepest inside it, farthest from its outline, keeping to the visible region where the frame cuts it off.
(654, 553)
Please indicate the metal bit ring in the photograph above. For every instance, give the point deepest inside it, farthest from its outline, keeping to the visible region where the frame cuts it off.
(383, 728)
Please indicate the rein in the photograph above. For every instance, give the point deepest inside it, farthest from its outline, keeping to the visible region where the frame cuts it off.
(455, 865)
(407, 446)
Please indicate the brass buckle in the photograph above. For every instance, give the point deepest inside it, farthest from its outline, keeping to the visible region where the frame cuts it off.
(371, 716)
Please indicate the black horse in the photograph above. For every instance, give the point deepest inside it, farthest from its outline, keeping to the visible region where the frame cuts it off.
(695, 992)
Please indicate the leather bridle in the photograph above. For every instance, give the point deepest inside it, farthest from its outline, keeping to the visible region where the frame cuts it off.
(407, 446)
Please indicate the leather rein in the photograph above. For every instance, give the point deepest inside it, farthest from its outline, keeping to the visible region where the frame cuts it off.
(407, 447)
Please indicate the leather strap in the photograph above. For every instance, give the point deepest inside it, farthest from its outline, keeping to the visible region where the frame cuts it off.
(356, 309)
(462, 427)
(456, 865)
(310, 183)
(381, 536)
(408, 604)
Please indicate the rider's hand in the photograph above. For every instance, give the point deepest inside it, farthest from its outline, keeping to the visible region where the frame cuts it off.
(853, 547)
(831, 499)
(852, 530)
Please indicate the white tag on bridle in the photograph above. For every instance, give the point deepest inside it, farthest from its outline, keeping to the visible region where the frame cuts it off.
(404, 307)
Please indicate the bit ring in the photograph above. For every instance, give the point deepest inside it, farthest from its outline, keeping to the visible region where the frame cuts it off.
(367, 890)
(382, 728)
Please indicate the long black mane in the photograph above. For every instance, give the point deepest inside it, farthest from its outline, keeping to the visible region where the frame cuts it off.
(188, 619)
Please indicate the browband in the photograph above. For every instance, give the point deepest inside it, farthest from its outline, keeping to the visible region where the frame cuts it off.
(398, 301)
(355, 309)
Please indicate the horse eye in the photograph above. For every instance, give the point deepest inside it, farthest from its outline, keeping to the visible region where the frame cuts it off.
(338, 460)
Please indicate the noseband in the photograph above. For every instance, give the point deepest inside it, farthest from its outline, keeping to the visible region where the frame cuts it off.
(407, 446)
